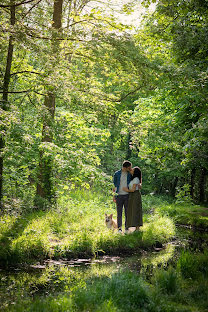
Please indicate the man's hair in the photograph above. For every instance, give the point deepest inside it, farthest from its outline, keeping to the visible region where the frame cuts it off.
(127, 164)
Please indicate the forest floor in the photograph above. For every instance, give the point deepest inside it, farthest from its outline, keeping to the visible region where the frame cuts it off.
(169, 273)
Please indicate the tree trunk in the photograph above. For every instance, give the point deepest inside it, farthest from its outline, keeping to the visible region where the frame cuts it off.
(173, 186)
(193, 174)
(202, 185)
(128, 154)
(45, 185)
(5, 105)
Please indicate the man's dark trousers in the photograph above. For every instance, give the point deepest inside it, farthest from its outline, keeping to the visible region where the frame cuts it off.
(121, 201)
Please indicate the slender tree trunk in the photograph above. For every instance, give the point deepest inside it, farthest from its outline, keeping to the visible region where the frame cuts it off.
(45, 185)
(5, 105)
(173, 186)
(193, 174)
(128, 154)
(202, 185)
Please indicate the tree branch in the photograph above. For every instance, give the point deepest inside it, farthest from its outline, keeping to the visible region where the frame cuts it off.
(80, 54)
(34, 5)
(23, 91)
(44, 94)
(15, 5)
(26, 71)
(51, 38)
(109, 99)
(131, 92)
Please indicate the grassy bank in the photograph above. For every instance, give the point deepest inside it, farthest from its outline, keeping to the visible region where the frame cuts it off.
(76, 228)
(186, 213)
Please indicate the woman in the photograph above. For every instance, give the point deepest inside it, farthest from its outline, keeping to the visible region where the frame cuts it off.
(134, 210)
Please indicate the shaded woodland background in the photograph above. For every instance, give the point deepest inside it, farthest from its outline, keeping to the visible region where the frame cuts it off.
(81, 92)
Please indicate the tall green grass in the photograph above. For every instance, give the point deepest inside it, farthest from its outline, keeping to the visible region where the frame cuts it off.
(193, 266)
(166, 281)
(75, 228)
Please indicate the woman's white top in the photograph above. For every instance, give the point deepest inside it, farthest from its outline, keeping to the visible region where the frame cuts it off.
(134, 181)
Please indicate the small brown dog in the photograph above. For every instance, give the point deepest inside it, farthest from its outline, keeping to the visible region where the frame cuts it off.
(110, 223)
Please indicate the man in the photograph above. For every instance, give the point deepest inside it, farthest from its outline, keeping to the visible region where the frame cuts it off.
(122, 179)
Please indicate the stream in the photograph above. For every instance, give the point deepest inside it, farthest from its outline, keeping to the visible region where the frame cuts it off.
(58, 276)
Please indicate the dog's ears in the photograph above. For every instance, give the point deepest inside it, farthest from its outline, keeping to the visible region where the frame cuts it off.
(111, 215)
(106, 214)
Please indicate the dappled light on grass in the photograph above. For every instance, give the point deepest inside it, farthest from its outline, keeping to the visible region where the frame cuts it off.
(193, 215)
(157, 258)
(76, 229)
(158, 229)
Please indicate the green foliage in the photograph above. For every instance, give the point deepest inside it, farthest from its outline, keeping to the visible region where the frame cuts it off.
(119, 95)
(171, 122)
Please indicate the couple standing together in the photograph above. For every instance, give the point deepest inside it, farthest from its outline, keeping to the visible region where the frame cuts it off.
(128, 182)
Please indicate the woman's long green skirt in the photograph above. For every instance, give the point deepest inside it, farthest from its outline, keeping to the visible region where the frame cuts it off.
(134, 211)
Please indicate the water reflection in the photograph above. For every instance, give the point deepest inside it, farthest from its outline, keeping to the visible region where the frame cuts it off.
(58, 276)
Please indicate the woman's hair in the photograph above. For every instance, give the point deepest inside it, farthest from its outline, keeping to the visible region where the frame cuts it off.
(137, 174)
